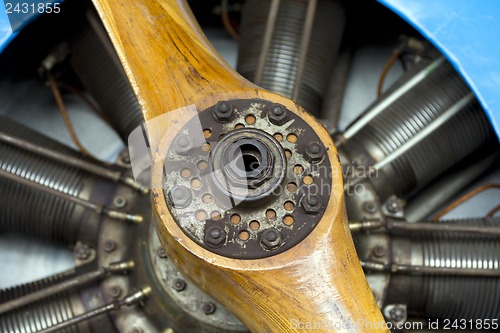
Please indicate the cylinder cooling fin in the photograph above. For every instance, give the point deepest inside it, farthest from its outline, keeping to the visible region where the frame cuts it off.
(278, 70)
(98, 67)
(33, 212)
(437, 296)
(426, 123)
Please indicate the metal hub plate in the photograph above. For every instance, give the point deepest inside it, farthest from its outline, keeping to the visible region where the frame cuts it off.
(223, 219)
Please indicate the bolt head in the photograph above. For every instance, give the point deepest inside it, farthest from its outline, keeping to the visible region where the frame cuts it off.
(312, 204)
(179, 284)
(215, 237)
(271, 239)
(119, 202)
(378, 251)
(370, 207)
(109, 246)
(82, 251)
(277, 114)
(183, 144)
(115, 291)
(398, 313)
(394, 205)
(161, 252)
(315, 152)
(223, 111)
(180, 196)
(209, 308)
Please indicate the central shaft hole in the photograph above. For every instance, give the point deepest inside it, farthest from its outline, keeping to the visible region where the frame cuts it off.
(250, 158)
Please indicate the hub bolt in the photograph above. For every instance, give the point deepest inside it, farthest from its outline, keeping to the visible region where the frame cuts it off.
(180, 196)
(277, 114)
(314, 152)
(311, 204)
(223, 111)
(271, 239)
(183, 144)
(215, 237)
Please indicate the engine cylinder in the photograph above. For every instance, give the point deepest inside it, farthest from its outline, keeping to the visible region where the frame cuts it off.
(34, 212)
(405, 113)
(42, 314)
(445, 296)
(99, 69)
(280, 68)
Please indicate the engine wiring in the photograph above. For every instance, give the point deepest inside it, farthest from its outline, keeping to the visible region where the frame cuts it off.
(226, 21)
(466, 197)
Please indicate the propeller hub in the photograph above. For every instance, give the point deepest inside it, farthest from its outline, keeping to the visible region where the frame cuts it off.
(256, 180)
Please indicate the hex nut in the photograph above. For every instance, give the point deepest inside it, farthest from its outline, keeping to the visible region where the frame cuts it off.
(215, 237)
(394, 205)
(180, 196)
(223, 111)
(271, 239)
(82, 251)
(183, 144)
(315, 152)
(312, 204)
(277, 114)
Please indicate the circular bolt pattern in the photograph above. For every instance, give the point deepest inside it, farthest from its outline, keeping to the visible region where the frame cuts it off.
(109, 246)
(215, 237)
(312, 204)
(82, 251)
(271, 239)
(231, 201)
(223, 111)
(208, 308)
(277, 114)
(180, 196)
(315, 152)
(179, 285)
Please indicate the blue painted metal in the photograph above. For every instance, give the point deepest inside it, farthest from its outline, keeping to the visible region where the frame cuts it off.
(11, 24)
(468, 33)
(6, 33)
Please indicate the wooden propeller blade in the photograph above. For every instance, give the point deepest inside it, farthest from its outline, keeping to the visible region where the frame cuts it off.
(319, 282)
